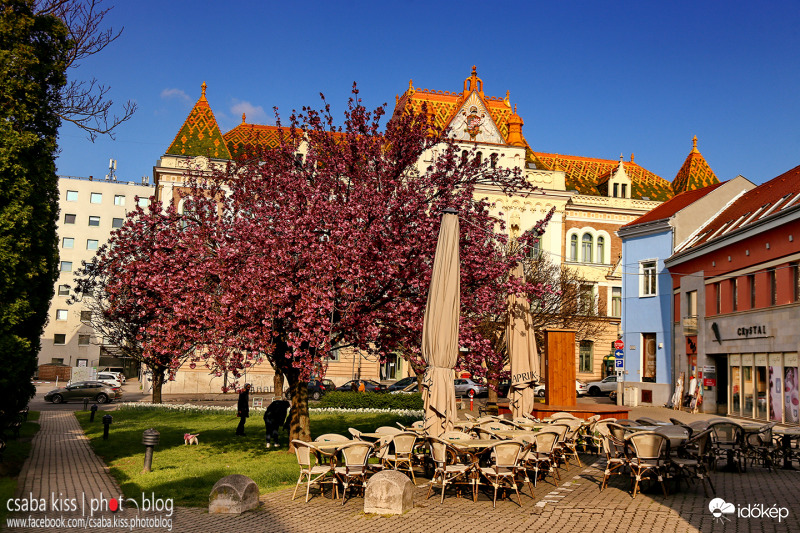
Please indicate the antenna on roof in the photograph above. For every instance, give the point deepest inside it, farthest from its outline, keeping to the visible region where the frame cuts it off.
(112, 167)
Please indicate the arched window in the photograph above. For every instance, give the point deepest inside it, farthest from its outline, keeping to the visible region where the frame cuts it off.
(601, 249)
(586, 248)
(464, 157)
(478, 158)
(536, 249)
(493, 159)
(573, 248)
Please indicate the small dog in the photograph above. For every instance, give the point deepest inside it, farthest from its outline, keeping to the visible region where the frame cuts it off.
(188, 438)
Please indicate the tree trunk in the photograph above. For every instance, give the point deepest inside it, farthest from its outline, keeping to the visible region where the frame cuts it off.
(158, 381)
(299, 423)
(277, 383)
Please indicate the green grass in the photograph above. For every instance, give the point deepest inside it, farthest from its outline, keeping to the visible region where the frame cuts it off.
(187, 473)
(13, 458)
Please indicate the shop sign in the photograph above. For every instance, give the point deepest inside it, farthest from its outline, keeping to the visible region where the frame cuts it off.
(748, 332)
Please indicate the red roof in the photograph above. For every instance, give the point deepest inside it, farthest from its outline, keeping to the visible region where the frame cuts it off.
(670, 207)
(766, 199)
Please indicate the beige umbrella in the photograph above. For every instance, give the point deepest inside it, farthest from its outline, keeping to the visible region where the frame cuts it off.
(521, 346)
(440, 330)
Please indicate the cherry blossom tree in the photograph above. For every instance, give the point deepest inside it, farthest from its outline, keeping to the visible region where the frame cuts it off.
(325, 242)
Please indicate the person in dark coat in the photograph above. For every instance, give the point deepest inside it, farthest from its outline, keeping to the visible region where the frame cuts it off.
(243, 409)
(274, 418)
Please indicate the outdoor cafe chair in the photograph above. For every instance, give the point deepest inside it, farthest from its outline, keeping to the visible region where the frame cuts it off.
(728, 442)
(354, 432)
(677, 422)
(448, 467)
(761, 446)
(561, 415)
(388, 430)
(562, 430)
(698, 425)
(616, 457)
(486, 433)
(690, 460)
(569, 442)
(590, 438)
(540, 456)
(627, 422)
(331, 437)
(647, 421)
(312, 470)
(403, 453)
(616, 429)
(647, 458)
(455, 435)
(506, 467)
(355, 469)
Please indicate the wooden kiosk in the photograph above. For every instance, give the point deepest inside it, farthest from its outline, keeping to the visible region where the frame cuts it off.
(559, 374)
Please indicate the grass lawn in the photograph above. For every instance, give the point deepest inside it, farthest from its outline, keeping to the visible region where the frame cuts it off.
(187, 473)
(13, 458)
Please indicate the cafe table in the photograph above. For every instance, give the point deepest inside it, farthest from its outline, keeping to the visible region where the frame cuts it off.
(526, 435)
(787, 436)
(677, 435)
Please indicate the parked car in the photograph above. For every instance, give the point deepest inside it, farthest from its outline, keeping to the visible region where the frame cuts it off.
(94, 390)
(596, 388)
(503, 387)
(369, 385)
(402, 384)
(109, 378)
(318, 387)
(115, 370)
(613, 396)
(581, 389)
(412, 387)
(468, 387)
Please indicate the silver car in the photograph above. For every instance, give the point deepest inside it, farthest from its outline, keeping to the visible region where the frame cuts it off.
(596, 388)
(467, 387)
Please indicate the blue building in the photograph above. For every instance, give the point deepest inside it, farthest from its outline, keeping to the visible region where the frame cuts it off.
(647, 296)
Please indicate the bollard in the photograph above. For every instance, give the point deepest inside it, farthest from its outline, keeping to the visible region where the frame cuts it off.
(471, 404)
(107, 419)
(94, 410)
(150, 438)
(85, 404)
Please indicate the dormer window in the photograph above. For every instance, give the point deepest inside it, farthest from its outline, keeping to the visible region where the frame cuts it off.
(616, 190)
(624, 190)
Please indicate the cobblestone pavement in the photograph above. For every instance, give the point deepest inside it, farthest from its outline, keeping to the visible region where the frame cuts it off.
(62, 461)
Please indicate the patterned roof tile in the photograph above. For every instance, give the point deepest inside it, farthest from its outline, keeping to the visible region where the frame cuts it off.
(695, 172)
(200, 134)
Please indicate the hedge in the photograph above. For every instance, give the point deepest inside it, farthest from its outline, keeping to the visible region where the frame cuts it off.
(371, 400)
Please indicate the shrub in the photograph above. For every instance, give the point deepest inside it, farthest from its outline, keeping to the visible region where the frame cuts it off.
(371, 400)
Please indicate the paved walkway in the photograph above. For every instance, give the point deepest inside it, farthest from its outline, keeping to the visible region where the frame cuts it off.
(62, 462)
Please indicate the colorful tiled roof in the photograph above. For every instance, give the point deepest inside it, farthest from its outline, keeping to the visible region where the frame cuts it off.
(695, 172)
(670, 207)
(767, 199)
(584, 174)
(443, 105)
(246, 139)
(200, 133)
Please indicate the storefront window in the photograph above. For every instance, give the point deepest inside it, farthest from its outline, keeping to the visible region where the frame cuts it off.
(790, 388)
(775, 388)
(761, 386)
(736, 399)
(747, 385)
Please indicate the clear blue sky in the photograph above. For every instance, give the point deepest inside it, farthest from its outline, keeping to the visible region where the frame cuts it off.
(590, 78)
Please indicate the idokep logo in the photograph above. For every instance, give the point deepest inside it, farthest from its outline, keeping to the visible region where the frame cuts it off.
(720, 508)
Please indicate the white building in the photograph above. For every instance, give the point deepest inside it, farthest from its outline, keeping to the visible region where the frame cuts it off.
(90, 209)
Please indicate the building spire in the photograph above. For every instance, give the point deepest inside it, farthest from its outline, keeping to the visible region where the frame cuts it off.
(694, 145)
(203, 88)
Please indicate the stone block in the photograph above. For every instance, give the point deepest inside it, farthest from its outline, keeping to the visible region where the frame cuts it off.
(388, 492)
(233, 494)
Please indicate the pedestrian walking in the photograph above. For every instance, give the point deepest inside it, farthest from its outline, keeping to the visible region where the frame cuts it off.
(274, 418)
(243, 409)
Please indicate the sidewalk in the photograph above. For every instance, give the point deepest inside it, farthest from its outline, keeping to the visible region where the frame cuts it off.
(62, 462)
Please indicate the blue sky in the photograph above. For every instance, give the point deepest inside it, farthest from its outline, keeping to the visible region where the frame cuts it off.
(595, 79)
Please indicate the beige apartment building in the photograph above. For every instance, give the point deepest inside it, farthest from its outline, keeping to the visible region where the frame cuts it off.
(90, 209)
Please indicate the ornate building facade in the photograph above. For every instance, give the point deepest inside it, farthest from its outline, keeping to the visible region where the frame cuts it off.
(592, 198)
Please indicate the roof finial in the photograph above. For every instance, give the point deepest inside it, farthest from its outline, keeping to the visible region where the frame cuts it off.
(621, 158)
(243, 118)
(631, 157)
(203, 87)
(694, 144)
(474, 71)
(411, 84)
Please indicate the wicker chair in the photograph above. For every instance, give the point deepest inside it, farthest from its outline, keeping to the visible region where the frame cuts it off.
(728, 442)
(331, 437)
(355, 469)
(761, 447)
(540, 456)
(616, 457)
(506, 468)
(388, 430)
(647, 458)
(311, 468)
(690, 461)
(447, 468)
(403, 456)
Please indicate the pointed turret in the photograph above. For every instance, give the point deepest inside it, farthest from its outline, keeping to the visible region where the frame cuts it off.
(200, 134)
(695, 172)
(515, 129)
